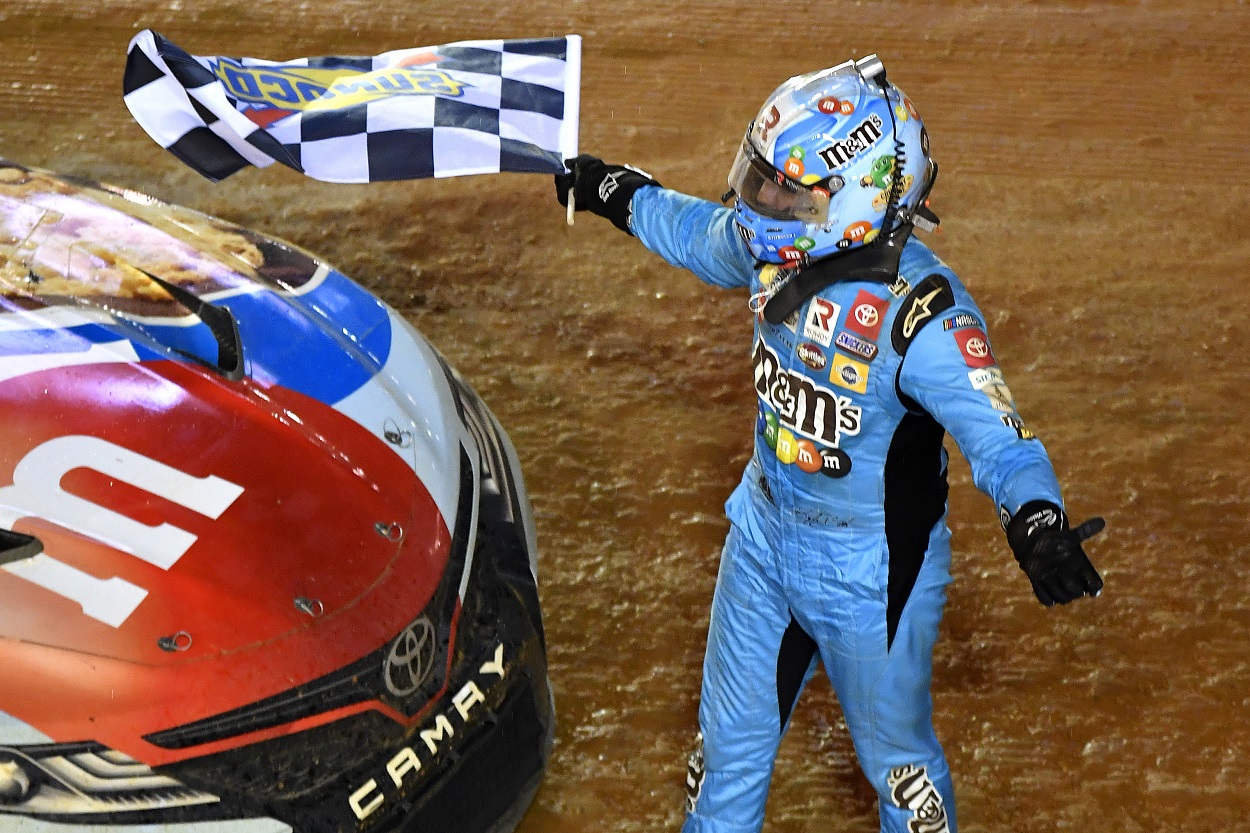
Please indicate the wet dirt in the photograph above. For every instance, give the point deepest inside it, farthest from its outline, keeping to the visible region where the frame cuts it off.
(1093, 191)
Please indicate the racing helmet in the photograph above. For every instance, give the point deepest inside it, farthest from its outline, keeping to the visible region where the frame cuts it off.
(834, 158)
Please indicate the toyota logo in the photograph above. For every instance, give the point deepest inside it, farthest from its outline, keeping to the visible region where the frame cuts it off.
(866, 314)
(411, 659)
(977, 348)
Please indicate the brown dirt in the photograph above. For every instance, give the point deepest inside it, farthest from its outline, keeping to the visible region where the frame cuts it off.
(1093, 188)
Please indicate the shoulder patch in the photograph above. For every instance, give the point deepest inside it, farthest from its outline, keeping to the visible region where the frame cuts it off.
(960, 320)
(931, 297)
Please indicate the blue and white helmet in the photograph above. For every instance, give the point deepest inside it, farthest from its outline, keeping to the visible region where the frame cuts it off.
(834, 158)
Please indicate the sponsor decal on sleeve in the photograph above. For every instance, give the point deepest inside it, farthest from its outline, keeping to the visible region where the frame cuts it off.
(989, 380)
(961, 320)
(975, 347)
(695, 773)
(1014, 422)
(930, 298)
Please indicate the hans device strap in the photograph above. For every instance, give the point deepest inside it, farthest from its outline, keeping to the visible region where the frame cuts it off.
(877, 261)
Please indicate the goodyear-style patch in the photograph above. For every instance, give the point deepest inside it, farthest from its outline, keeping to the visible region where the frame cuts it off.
(931, 297)
(849, 373)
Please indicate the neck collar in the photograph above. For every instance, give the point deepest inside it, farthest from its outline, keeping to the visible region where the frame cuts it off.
(878, 262)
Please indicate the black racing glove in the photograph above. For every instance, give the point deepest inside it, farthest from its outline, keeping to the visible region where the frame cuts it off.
(604, 189)
(1051, 555)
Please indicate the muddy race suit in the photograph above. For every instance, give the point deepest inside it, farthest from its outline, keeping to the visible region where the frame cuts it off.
(838, 548)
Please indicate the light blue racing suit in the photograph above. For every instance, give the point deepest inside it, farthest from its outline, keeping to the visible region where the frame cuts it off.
(838, 546)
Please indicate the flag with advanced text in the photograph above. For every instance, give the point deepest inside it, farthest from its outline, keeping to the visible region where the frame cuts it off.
(470, 107)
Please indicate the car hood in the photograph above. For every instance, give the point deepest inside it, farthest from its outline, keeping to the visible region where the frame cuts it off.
(218, 440)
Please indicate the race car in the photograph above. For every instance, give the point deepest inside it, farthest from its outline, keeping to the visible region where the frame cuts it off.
(267, 562)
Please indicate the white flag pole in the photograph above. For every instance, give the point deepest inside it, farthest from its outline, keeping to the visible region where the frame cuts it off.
(572, 110)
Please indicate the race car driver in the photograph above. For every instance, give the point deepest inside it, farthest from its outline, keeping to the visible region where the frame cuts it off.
(867, 350)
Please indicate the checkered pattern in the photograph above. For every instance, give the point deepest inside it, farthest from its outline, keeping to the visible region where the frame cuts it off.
(501, 105)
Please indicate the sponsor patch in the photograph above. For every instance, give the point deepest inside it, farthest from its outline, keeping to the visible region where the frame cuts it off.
(975, 347)
(1045, 518)
(860, 139)
(809, 459)
(1014, 422)
(695, 773)
(931, 297)
(900, 287)
(822, 318)
(812, 356)
(849, 374)
(866, 315)
(989, 380)
(911, 789)
(854, 344)
(800, 404)
(835, 463)
(961, 320)
(787, 446)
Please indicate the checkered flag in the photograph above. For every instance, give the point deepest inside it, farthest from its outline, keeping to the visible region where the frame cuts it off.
(471, 107)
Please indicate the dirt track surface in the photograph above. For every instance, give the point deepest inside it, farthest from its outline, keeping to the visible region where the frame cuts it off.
(1093, 195)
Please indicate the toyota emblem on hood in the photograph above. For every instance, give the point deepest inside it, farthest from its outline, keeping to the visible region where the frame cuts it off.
(411, 659)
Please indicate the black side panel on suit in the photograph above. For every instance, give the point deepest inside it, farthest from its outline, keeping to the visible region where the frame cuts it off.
(915, 500)
(793, 657)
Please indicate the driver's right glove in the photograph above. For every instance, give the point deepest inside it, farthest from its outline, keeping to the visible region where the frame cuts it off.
(603, 189)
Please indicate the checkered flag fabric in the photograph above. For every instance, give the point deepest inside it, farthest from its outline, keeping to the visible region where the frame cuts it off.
(471, 107)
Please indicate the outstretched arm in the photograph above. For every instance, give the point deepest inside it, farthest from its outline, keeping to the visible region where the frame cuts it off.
(688, 232)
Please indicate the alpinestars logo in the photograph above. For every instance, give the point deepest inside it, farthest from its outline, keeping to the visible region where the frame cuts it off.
(609, 185)
(861, 138)
(911, 789)
(803, 406)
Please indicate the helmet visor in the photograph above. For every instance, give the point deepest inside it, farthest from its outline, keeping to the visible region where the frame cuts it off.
(772, 194)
